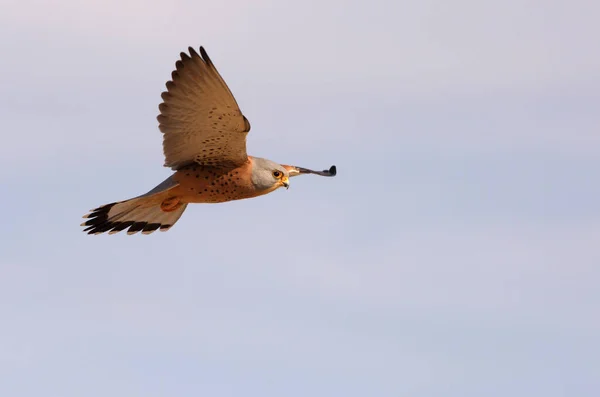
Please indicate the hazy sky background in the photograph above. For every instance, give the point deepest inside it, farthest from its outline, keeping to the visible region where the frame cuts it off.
(457, 253)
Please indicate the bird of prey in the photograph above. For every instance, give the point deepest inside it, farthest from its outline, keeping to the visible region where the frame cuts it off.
(204, 143)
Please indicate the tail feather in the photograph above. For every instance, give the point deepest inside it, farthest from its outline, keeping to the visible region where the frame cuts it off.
(116, 217)
(141, 214)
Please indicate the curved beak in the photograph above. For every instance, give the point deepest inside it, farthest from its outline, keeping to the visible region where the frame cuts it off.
(295, 171)
(285, 182)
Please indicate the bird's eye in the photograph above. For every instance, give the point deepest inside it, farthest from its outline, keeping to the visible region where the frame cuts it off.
(276, 174)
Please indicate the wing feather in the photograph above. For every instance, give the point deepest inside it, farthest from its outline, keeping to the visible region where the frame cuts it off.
(199, 117)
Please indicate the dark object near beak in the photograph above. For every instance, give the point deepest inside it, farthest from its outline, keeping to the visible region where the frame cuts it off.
(332, 171)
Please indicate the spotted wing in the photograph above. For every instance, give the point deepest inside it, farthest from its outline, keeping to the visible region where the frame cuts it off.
(199, 117)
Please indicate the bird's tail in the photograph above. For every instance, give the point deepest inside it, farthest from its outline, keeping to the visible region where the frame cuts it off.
(158, 209)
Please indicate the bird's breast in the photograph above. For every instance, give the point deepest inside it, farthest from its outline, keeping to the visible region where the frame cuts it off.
(204, 184)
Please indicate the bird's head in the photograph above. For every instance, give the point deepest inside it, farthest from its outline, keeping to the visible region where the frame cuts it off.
(268, 175)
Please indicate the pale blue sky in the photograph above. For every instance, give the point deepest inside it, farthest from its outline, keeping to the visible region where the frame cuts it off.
(457, 253)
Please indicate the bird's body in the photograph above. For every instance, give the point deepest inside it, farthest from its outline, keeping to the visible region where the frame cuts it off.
(217, 184)
(205, 144)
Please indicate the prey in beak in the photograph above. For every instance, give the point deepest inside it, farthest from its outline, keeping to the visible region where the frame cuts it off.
(295, 171)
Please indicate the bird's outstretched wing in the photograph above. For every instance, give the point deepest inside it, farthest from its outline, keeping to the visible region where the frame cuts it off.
(199, 116)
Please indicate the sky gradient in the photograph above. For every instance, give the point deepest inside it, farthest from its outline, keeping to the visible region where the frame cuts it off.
(456, 253)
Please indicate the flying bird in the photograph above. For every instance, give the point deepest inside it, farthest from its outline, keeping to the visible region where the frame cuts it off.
(204, 143)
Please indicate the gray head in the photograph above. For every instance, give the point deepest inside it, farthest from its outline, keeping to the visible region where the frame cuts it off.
(268, 175)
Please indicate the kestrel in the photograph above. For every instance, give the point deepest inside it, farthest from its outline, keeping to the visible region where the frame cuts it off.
(204, 142)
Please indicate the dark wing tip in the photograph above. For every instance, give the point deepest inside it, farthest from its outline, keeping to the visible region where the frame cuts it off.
(184, 57)
(332, 171)
(204, 55)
